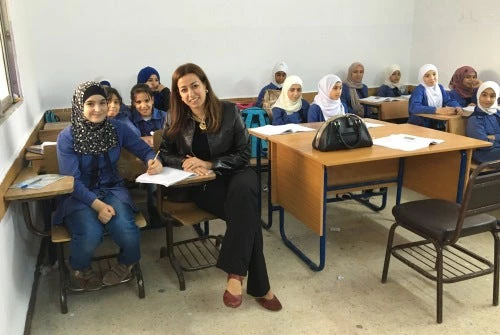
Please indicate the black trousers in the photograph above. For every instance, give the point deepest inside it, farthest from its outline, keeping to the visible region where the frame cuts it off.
(233, 198)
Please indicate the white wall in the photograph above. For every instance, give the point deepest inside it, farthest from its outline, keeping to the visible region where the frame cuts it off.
(18, 247)
(236, 42)
(453, 33)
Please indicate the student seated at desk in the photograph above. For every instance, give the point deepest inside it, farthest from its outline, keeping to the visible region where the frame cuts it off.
(430, 98)
(327, 102)
(463, 86)
(145, 116)
(392, 83)
(484, 123)
(161, 93)
(290, 107)
(114, 111)
(124, 109)
(278, 77)
(353, 89)
(89, 150)
(207, 134)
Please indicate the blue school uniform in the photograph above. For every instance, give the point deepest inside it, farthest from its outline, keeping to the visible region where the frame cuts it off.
(345, 97)
(464, 102)
(147, 126)
(386, 91)
(281, 117)
(80, 167)
(315, 114)
(122, 117)
(271, 86)
(418, 104)
(480, 125)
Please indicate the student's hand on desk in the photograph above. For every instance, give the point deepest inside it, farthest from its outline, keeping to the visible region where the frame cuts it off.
(459, 111)
(491, 137)
(148, 140)
(196, 165)
(154, 166)
(445, 111)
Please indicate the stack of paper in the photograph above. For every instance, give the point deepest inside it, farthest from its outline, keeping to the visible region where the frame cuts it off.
(282, 129)
(38, 148)
(167, 177)
(405, 142)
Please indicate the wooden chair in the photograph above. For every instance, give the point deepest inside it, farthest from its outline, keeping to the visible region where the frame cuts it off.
(441, 224)
(394, 111)
(193, 254)
(60, 235)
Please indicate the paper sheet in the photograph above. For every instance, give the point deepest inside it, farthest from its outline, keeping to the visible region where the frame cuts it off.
(37, 182)
(405, 142)
(282, 129)
(167, 177)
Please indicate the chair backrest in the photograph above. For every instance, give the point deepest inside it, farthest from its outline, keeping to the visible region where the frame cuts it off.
(157, 139)
(394, 110)
(482, 193)
(51, 165)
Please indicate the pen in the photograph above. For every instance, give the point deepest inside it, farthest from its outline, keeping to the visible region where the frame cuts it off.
(156, 155)
(31, 183)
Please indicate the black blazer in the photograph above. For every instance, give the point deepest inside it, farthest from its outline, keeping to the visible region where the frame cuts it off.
(229, 147)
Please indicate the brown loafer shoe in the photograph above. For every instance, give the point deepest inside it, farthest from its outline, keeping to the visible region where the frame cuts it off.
(270, 304)
(232, 300)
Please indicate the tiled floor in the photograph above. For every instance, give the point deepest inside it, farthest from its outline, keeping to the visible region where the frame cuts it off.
(347, 297)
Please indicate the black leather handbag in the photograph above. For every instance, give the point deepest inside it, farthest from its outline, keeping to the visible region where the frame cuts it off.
(342, 132)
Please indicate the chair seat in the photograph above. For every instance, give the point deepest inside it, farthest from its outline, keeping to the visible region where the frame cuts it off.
(437, 219)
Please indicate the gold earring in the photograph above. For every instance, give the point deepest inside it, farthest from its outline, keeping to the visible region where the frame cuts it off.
(206, 91)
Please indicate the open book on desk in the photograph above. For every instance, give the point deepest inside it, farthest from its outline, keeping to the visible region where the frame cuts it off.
(405, 142)
(167, 177)
(281, 129)
(374, 99)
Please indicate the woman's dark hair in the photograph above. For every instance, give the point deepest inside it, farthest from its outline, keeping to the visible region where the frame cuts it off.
(181, 113)
(110, 91)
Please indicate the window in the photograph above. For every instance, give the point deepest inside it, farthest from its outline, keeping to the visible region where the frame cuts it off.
(9, 87)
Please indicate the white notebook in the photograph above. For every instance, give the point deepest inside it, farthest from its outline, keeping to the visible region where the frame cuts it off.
(281, 129)
(167, 177)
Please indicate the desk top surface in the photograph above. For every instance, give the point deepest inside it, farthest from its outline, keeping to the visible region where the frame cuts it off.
(302, 143)
(56, 125)
(62, 186)
(440, 117)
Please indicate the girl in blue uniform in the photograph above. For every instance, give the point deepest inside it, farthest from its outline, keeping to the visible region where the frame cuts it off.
(392, 84)
(278, 77)
(290, 107)
(484, 123)
(89, 150)
(115, 111)
(353, 89)
(430, 98)
(145, 116)
(463, 86)
(151, 77)
(327, 102)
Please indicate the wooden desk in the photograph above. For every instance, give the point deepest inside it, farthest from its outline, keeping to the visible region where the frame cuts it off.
(454, 123)
(439, 171)
(389, 110)
(261, 137)
(62, 186)
(51, 130)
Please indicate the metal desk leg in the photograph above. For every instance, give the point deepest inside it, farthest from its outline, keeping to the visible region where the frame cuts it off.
(399, 189)
(461, 177)
(322, 238)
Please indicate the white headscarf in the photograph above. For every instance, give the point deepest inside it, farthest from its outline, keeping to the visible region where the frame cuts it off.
(328, 106)
(284, 101)
(433, 93)
(280, 66)
(388, 73)
(494, 86)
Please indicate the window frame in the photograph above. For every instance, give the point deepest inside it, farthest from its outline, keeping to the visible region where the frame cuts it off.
(12, 76)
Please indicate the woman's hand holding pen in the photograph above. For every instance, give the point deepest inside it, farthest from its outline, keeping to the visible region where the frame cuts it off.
(196, 165)
(154, 165)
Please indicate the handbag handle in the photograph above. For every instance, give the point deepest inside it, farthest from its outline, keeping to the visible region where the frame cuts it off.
(357, 128)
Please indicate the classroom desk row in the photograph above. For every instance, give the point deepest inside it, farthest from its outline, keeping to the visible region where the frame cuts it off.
(390, 110)
(439, 171)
